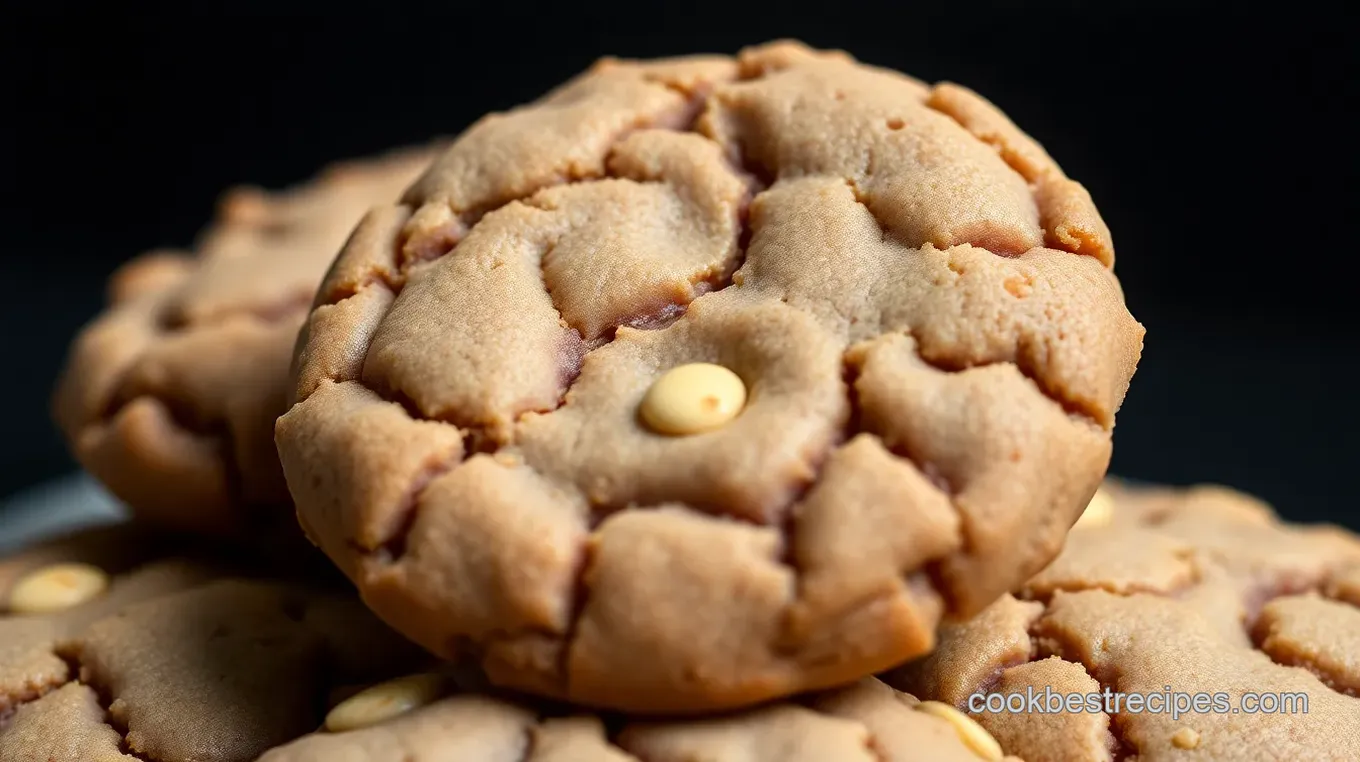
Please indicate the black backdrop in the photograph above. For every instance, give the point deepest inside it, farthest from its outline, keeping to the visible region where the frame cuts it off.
(1217, 146)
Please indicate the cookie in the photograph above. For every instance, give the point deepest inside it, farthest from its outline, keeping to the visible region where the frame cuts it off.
(864, 722)
(179, 661)
(169, 397)
(704, 381)
(170, 658)
(1243, 628)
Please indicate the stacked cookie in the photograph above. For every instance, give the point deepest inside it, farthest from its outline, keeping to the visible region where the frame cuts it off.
(704, 409)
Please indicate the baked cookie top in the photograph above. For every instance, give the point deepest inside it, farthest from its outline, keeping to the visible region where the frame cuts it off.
(110, 649)
(169, 397)
(112, 652)
(704, 381)
(1245, 624)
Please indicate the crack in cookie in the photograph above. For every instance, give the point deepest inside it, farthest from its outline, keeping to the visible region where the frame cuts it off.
(592, 113)
(1069, 217)
(103, 700)
(68, 723)
(1314, 633)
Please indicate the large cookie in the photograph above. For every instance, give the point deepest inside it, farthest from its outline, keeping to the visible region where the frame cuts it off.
(1231, 635)
(167, 658)
(170, 396)
(704, 381)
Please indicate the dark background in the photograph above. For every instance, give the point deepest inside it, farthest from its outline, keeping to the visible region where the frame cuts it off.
(1217, 145)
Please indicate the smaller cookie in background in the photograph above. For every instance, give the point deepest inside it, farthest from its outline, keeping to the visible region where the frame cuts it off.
(169, 396)
(172, 655)
(1176, 596)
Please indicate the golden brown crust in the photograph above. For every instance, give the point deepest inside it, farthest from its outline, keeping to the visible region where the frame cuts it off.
(1194, 591)
(170, 396)
(849, 242)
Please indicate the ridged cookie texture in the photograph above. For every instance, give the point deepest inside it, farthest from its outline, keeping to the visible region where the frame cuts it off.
(1209, 629)
(920, 306)
(180, 658)
(169, 396)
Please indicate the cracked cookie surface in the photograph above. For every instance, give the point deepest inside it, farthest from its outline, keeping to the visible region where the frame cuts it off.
(170, 396)
(178, 660)
(918, 301)
(1194, 591)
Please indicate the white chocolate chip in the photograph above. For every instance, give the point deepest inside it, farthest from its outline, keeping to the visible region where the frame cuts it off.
(384, 701)
(1185, 738)
(973, 735)
(508, 459)
(1099, 512)
(693, 398)
(57, 587)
